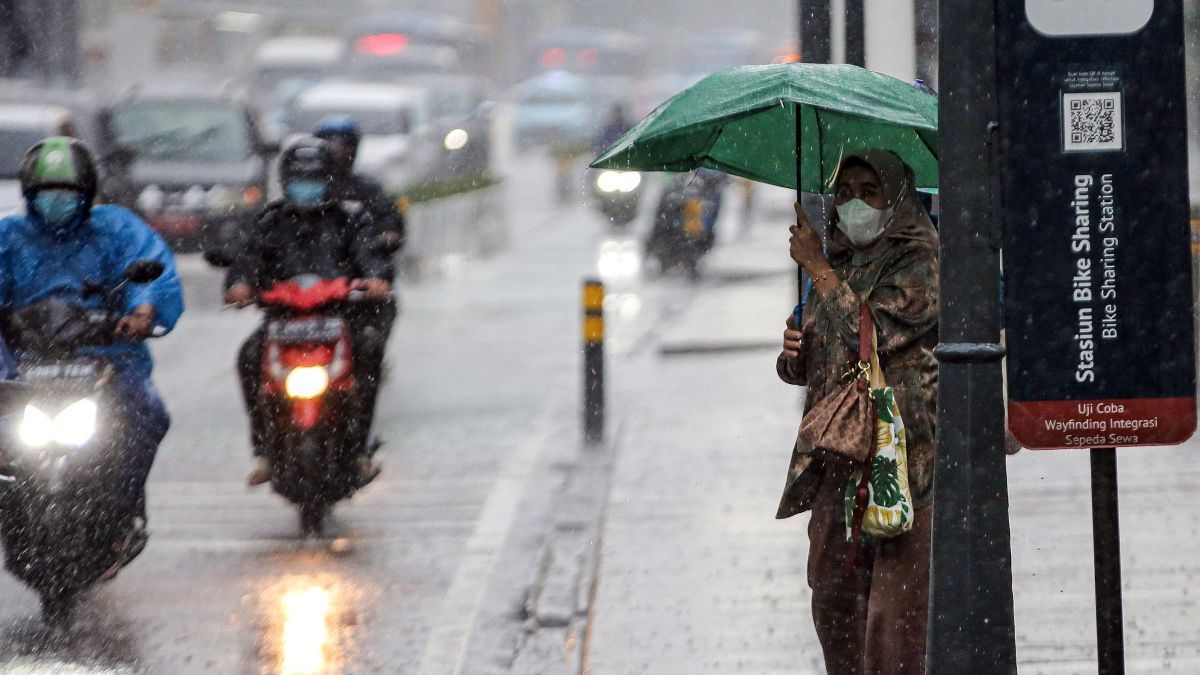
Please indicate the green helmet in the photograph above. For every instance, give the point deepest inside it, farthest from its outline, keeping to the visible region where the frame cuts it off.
(59, 162)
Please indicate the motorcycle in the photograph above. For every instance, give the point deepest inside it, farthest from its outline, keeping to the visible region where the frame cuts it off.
(683, 225)
(617, 195)
(62, 515)
(312, 443)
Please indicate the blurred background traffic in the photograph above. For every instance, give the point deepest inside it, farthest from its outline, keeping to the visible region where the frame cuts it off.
(187, 101)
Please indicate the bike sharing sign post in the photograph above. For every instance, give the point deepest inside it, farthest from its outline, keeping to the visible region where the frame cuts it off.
(1098, 309)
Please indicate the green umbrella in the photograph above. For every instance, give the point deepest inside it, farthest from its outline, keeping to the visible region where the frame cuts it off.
(743, 121)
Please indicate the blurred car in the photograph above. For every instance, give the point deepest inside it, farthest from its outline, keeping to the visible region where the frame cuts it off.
(286, 66)
(398, 147)
(387, 44)
(590, 52)
(556, 109)
(196, 162)
(21, 126)
(462, 120)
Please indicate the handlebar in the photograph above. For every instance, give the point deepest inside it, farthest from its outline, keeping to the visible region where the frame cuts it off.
(353, 297)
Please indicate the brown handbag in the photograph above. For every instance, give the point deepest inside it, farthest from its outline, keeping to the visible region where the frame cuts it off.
(844, 421)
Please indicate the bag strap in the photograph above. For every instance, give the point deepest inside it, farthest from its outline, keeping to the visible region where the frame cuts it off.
(867, 354)
(866, 332)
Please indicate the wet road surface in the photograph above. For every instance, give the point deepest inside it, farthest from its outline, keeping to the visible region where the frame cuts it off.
(483, 373)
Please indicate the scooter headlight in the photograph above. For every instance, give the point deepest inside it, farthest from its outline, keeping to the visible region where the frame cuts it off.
(609, 181)
(629, 181)
(74, 426)
(307, 382)
(37, 428)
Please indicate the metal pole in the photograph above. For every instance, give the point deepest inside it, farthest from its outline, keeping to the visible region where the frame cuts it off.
(1106, 544)
(856, 39)
(814, 30)
(593, 361)
(971, 606)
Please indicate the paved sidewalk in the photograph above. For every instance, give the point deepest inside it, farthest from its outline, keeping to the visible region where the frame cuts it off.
(697, 577)
(747, 290)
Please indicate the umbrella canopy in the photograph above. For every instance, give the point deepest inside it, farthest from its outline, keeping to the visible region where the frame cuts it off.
(743, 121)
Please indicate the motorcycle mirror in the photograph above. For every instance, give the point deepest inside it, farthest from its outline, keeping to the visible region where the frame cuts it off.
(144, 271)
(218, 257)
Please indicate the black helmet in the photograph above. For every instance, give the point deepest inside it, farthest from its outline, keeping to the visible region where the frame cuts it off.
(306, 157)
(59, 162)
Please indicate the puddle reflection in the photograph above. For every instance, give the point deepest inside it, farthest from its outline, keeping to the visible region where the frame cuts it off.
(305, 631)
(619, 260)
(308, 622)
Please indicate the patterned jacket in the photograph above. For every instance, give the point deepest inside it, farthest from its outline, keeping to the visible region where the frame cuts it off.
(898, 277)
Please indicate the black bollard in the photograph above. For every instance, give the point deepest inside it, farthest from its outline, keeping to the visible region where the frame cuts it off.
(593, 361)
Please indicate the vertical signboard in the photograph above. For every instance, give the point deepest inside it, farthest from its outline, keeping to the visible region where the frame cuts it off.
(1098, 304)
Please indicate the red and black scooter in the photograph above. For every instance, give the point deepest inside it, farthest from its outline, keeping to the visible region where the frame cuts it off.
(309, 392)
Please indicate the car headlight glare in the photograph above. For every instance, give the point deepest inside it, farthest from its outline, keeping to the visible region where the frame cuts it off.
(74, 426)
(456, 140)
(194, 198)
(306, 382)
(151, 199)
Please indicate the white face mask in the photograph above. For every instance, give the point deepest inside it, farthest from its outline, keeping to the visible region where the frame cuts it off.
(861, 222)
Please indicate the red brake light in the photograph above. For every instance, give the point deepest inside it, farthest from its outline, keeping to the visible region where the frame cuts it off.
(588, 58)
(381, 44)
(554, 58)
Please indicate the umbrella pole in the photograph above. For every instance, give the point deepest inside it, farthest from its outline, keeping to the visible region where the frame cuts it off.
(800, 279)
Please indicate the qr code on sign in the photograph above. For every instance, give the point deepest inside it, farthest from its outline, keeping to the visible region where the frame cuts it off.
(1093, 122)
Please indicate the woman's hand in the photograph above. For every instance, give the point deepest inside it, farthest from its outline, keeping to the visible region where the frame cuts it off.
(793, 340)
(806, 246)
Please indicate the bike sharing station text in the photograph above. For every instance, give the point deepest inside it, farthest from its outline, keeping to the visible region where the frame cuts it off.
(1098, 294)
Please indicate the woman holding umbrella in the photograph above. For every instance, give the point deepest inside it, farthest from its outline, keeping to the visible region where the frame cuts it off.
(799, 125)
(870, 609)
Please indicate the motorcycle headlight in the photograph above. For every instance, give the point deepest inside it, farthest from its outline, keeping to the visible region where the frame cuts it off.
(609, 181)
(151, 199)
(306, 382)
(629, 181)
(74, 426)
(36, 427)
(456, 140)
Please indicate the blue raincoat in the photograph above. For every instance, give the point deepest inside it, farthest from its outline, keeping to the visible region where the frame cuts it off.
(34, 266)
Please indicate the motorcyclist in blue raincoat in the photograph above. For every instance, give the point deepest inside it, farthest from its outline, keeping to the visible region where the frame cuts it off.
(64, 245)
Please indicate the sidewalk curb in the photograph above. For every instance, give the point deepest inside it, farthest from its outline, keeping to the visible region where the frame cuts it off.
(560, 604)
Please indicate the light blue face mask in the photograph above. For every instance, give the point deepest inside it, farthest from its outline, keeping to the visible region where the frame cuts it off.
(306, 192)
(59, 209)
